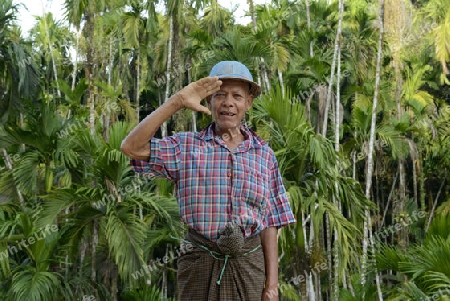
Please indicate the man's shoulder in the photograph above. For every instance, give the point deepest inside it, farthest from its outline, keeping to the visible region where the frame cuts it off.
(183, 137)
(257, 140)
(185, 134)
(266, 149)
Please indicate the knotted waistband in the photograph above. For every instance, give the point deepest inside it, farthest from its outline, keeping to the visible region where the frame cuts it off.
(230, 244)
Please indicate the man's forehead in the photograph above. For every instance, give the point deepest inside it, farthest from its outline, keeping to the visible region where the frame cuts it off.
(233, 84)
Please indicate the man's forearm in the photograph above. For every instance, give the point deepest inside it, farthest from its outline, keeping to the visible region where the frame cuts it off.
(269, 242)
(136, 145)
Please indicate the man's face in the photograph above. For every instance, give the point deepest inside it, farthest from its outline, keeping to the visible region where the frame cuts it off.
(229, 104)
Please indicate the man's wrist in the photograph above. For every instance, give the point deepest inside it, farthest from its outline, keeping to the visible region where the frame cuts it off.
(177, 101)
(271, 283)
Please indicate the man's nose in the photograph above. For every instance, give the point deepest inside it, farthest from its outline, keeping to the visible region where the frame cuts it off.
(228, 101)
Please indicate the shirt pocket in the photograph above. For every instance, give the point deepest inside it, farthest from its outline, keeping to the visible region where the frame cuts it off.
(256, 191)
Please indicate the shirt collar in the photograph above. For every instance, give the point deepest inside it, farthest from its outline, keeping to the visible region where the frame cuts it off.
(251, 138)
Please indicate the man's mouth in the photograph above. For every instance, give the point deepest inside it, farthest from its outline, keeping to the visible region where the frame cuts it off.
(227, 113)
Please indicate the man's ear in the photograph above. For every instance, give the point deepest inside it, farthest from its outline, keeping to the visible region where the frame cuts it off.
(250, 99)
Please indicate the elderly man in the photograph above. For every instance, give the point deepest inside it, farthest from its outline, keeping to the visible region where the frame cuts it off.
(228, 188)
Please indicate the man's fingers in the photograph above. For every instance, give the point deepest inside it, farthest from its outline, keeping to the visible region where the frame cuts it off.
(202, 109)
(210, 84)
(208, 80)
(192, 94)
(206, 111)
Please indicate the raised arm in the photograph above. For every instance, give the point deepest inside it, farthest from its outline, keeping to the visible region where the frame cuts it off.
(136, 145)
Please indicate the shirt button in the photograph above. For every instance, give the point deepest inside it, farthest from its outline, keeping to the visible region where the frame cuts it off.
(229, 174)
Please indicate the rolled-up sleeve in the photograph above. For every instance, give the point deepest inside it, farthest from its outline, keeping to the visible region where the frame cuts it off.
(164, 159)
(280, 213)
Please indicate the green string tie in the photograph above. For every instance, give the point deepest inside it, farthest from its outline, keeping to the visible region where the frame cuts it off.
(223, 269)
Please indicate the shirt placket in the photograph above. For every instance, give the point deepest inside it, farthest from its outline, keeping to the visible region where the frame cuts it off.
(230, 177)
(229, 158)
(238, 180)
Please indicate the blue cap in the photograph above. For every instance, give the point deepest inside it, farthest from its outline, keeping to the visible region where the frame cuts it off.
(238, 71)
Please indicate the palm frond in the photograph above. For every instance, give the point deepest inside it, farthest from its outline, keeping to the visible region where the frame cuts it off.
(125, 235)
(31, 284)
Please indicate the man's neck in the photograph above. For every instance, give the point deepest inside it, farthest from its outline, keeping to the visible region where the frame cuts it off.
(232, 137)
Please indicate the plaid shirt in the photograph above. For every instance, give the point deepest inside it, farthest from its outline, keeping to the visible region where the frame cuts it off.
(215, 186)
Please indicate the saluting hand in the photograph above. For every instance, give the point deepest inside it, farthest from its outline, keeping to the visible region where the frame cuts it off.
(192, 95)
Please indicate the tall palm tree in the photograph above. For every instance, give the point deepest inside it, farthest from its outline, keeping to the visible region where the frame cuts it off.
(173, 10)
(420, 106)
(197, 41)
(45, 22)
(87, 10)
(20, 76)
(135, 34)
(305, 160)
(216, 19)
(233, 46)
(438, 10)
(271, 31)
(369, 170)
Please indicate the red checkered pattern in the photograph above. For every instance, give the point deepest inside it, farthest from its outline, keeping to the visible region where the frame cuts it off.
(215, 186)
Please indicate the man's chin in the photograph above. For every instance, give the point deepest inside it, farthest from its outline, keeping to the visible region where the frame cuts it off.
(226, 125)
